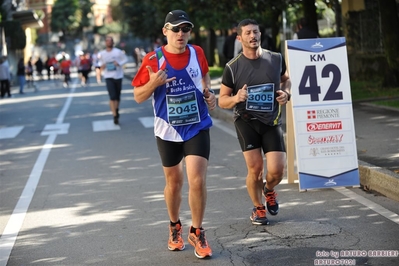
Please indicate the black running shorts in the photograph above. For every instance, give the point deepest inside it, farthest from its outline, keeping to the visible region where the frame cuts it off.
(254, 134)
(114, 87)
(173, 152)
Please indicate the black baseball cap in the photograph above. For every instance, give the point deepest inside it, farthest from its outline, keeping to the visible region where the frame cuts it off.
(177, 17)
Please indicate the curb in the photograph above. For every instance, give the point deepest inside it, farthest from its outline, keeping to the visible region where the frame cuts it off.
(372, 178)
(375, 178)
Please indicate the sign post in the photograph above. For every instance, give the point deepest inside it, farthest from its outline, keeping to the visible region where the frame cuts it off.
(324, 130)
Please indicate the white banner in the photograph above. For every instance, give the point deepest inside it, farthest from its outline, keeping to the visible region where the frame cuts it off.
(325, 139)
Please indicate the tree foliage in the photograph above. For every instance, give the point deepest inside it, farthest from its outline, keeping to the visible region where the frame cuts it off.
(63, 17)
(84, 12)
(146, 18)
(70, 16)
(140, 16)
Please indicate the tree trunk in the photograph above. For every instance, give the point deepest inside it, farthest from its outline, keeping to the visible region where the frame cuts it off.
(338, 18)
(211, 47)
(309, 11)
(276, 25)
(390, 38)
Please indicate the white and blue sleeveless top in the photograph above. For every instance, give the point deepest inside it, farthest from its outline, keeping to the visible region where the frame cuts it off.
(179, 107)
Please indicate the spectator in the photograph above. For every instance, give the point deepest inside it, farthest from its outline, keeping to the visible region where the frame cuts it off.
(135, 57)
(29, 73)
(76, 63)
(96, 63)
(48, 67)
(5, 77)
(156, 44)
(65, 66)
(267, 42)
(140, 53)
(304, 32)
(231, 46)
(39, 67)
(85, 67)
(52, 66)
(21, 75)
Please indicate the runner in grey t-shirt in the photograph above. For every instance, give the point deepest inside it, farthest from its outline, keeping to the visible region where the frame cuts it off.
(263, 73)
(255, 83)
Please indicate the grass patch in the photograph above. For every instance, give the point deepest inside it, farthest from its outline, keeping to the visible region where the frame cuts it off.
(367, 90)
(362, 90)
(391, 103)
(215, 71)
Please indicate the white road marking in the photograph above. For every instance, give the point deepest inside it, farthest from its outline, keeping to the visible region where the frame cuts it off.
(394, 217)
(10, 132)
(55, 129)
(104, 125)
(369, 204)
(147, 122)
(14, 224)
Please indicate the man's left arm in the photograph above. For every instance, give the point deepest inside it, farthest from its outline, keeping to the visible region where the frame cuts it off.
(285, 84)
(122, 59)
(209, 94)
(285, 89)
(206, 81)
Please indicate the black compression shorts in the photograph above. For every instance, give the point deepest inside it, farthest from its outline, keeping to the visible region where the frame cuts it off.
(254, 134)
(114, 87)
(173, 152)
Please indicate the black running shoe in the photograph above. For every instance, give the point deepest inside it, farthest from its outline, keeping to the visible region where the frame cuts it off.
(271, 201)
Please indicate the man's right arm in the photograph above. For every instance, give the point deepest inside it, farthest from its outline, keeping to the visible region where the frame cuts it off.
(142, 93)
(226, 99)
(155, 79)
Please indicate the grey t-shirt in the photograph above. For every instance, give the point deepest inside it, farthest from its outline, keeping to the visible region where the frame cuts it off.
(262, 76)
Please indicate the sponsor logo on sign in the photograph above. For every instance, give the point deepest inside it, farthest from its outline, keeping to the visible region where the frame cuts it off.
(320, 126)
(314, 151)
(317, 45)
(323, 113)
(330, 182)
(327, 151)
(326, 139)
(311, 114)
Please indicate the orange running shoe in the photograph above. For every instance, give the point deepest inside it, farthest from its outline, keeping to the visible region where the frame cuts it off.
(258, 216)
(175, 242)
(271, 200)
(198, 241)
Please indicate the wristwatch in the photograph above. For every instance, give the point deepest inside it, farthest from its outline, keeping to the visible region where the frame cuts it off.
(288, 96)
(211, 91)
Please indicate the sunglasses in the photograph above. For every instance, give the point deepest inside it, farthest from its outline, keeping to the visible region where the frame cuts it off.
(177, 29)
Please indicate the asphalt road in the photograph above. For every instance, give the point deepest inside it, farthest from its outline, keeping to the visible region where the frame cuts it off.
(377, 135)
(76, 190)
